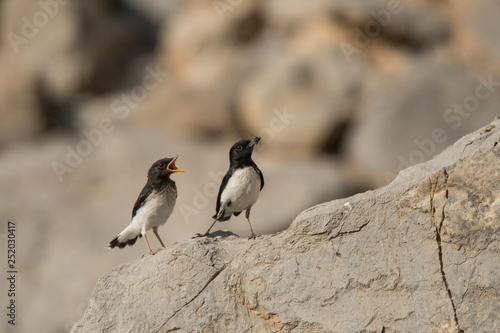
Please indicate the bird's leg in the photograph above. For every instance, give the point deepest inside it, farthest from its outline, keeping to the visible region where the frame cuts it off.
(247, 214)
(155, 230)
(208, 231)
(147, 243)
(219, 215)
(206, 234)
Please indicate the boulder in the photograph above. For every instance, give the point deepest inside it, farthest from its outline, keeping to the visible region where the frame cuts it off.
(426, 109)
(481, 25)
(420, 255)
(20, 115)
(315, 94)
(106, 183)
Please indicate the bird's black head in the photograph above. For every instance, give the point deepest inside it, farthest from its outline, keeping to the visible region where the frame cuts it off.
(162, 169)
(241, 151)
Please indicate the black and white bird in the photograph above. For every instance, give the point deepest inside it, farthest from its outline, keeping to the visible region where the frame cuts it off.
(241, 186)
(153, 206)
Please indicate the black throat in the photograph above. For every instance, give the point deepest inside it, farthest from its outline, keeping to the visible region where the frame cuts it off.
(241, 163)
(159, 184)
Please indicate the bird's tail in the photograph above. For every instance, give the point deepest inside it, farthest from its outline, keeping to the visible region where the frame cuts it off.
(126, 237)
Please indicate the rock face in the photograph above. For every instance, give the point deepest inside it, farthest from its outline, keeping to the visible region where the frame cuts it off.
(338, 112)
(418, 255)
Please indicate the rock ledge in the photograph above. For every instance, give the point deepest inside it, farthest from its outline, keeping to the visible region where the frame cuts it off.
(418, 255)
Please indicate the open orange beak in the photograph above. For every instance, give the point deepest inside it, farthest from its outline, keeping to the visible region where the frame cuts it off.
(172, 167)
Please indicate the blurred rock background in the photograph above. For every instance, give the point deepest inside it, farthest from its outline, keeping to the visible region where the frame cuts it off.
(344, 93)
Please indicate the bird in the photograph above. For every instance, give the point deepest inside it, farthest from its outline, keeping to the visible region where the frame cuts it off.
(241, 186)
(153, 206)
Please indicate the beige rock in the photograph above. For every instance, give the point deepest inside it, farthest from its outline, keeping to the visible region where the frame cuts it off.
(20, 111)
(417, 255)
(318, 92)
(431, 106)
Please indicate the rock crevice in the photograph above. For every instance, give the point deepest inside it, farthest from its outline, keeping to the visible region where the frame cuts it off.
(438, 226)
(212, 278)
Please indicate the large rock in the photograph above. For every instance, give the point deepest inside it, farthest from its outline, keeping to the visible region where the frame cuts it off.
(208, 52)
(318, 93)
(482, 27)
(107, 183)
(429, 107)
(53, 51)
(418, 255)
(20, 114)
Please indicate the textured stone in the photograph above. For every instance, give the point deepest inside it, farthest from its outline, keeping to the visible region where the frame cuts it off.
(418, 255)
(432, 106)
(107, 183)
(255, 55)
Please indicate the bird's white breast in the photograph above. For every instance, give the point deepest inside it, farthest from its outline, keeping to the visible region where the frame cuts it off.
(157, 209)
(242, 189)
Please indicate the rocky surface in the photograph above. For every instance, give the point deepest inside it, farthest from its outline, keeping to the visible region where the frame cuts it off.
(94, 202)
(418, 255)
(334, 120)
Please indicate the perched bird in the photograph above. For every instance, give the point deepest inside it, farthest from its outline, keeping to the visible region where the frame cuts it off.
(241, 186)
(153, 206)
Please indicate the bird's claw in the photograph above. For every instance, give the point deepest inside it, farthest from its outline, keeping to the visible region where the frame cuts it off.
(252, 237)
(152, 253)
(198, 235)
(160, 249)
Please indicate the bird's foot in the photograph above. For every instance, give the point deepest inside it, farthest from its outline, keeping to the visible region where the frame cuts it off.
(198, 235)
(252, 236)
(160, 249)
(149, 254)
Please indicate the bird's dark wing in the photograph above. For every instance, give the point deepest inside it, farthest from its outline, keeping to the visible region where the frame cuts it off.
(261, 178)
(221, 189)
(146, 191)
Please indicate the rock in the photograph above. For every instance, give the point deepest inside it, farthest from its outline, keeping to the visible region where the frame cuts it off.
(208, 53)
(314, 94)
(419, 255)
(483, 27)
(426, 109)
(20, 113)
(157, 10)
(107, 182)
(91, 48)
(113, 37)
(230, 70)
(415, 27)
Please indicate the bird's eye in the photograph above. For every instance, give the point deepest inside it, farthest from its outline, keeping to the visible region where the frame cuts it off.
(161, 165)
(239, 148)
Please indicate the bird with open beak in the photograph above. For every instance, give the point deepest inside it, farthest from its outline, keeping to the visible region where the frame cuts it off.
(153, 206)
